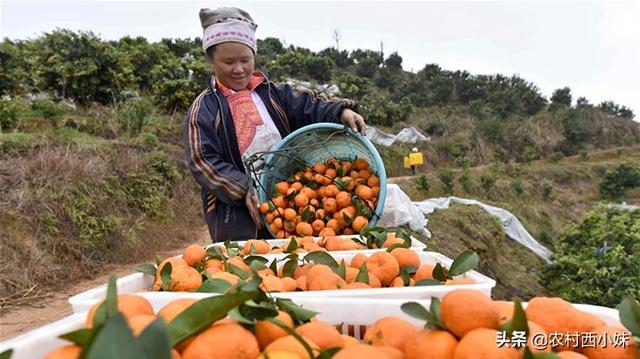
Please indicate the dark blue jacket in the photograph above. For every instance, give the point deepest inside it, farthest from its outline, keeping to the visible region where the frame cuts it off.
(214, 158)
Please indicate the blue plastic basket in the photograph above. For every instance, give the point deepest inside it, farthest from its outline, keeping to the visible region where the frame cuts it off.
(307, 145)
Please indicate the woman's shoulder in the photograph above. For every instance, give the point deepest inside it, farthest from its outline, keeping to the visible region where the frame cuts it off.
(204, 102)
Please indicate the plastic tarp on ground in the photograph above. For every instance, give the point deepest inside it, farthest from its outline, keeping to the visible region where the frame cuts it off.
(408, 135)
(399, 210)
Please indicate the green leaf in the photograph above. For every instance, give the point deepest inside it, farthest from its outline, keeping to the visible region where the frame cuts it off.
(363, 274)
(439, 273)
(299, 314)
(379, 238)
(426, 282)
(629, 313)
(405, 276)
(257, 259)
(252, 285)
(291, 196)
(82, 337)
(146, 268)
(342, 270)
(255, 311)
(518, 322)
(306, 214)
(201, 314)
(115, 340)
(6, 354)
(110, 306)
(274, 266)
(322, 258)
(416, 310)
(340, 173)
(233, 269)
(431, 317)
(112, 295)
(394, 246)
(236, 315)
(464, 262)
(434, 309)
(215, 252)
(328, 353)
(293, 245)
(165, 275)
(347, 219)
(154, 340)
(215, 285)
(289, 268)
(405, 237)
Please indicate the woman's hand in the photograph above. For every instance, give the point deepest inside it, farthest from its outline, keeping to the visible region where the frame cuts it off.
(252, 204)
(353, 120)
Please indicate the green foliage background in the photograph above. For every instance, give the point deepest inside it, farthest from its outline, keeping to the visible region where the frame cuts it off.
(598, 260)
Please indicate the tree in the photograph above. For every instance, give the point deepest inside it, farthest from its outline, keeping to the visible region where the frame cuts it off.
(406, 108)
(12, 67)
(596, 261)
(561, 97)
(340, 58)
(582, 101)
(319, 68)
(394, 62)
(613, 109)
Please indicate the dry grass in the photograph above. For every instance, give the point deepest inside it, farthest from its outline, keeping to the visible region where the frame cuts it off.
(40, 244)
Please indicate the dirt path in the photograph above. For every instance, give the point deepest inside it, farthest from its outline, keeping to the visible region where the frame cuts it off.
(54, 306)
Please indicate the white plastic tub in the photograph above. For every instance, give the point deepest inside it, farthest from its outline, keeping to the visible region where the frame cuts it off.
(355, 315)
(140, 282)
(415, 244)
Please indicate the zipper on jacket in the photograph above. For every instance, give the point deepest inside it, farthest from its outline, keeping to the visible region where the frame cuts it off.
(215, 93)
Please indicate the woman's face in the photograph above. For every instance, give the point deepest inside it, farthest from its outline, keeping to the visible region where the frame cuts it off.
(233, 64)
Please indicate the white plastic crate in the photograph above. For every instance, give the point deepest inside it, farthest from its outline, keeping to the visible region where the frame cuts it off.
(139, 282)
(415, 244)
(353, 315)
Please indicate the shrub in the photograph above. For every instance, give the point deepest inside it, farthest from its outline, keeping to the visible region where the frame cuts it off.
(487, 181)
(465, 181)
(10, 110)
(446, 177)
(135, 115)
(422, 183)
(518, 186)
(584, 155)
(47, 109)
(596, 261)
(545, 237)
(547, 190)
(616, 182)
(150, 138)
(556, 156)
(463, 161)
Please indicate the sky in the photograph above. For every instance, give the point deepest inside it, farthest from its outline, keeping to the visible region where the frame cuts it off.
(591, 47)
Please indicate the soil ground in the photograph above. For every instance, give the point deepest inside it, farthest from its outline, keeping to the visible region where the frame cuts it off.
(54, 305)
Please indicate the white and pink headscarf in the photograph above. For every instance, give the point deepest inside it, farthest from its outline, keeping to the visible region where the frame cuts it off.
(227, 24)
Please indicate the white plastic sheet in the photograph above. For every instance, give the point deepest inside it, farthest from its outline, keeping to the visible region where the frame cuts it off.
(512, 226)
(407, 135)
(400, 210)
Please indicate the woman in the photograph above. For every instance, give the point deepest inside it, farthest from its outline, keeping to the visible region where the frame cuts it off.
(238, 114)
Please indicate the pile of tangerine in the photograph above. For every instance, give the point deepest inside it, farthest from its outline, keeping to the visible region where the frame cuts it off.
(331, 198)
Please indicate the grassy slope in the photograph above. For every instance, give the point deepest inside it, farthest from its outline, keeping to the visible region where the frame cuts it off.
(73, 202)
(574, 182)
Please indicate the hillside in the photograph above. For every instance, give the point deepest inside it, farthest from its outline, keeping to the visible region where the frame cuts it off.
(92, 169)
